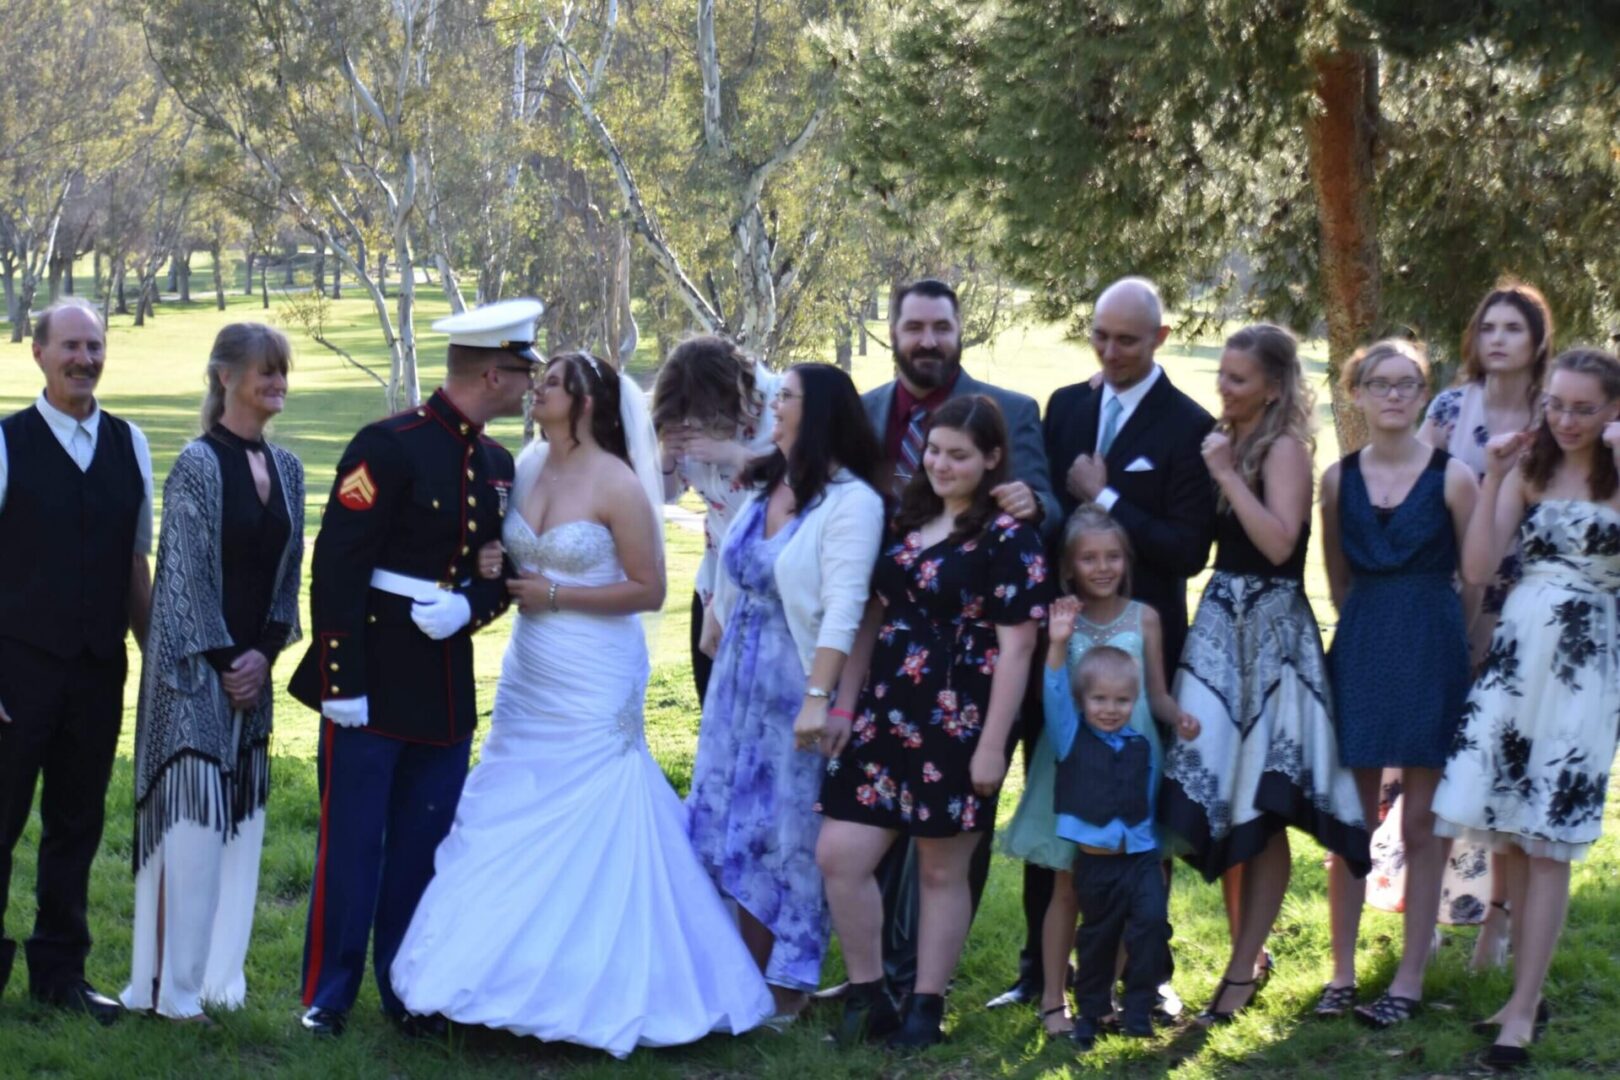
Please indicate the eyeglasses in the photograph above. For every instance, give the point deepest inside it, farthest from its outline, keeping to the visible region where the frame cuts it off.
(1553, 407)
(1403, 389)
(788, 395)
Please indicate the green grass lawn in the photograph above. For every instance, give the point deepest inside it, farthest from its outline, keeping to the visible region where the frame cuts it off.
(154, 377)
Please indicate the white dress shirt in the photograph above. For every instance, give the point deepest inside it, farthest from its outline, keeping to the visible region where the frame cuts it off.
(1129, 399)
(78, 438)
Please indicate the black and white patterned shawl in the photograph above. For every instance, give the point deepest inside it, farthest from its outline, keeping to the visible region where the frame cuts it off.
(196, 759)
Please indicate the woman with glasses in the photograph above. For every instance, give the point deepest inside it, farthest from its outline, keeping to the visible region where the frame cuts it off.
(794, 573)
(710, 407)
(1529, 769)
(1393, 517)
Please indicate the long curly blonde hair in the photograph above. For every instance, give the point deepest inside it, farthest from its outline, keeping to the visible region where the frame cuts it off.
(1292, 412)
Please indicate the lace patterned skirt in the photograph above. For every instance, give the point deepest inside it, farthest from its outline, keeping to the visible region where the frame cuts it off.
(1254, 675)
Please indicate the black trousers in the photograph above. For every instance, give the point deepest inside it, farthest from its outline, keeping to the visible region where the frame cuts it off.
(701, 665)
(1122, 898)
(65, 716)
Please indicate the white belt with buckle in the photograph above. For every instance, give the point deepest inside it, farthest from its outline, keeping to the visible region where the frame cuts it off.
(411, 588)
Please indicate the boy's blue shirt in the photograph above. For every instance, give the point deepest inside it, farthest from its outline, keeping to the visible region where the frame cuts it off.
(1063, 727)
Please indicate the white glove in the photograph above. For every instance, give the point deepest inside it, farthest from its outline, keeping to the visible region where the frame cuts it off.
(441, 616)
(346, 712)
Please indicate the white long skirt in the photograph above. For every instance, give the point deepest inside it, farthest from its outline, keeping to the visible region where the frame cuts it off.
(195, 895)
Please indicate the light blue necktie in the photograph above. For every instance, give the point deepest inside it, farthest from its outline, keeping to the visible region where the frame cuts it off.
(1111, 410)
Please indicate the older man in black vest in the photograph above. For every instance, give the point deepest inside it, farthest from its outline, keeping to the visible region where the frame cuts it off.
(75, 533)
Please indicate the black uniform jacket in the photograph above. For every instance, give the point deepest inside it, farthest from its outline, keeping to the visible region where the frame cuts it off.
(418, 494)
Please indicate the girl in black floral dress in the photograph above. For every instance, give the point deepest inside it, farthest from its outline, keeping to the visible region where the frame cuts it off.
(918, 740)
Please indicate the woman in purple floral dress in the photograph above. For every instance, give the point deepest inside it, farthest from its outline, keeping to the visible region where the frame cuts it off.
(793, 578)
(918, 743)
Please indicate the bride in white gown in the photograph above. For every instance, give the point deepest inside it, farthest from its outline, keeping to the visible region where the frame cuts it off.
(566, 902)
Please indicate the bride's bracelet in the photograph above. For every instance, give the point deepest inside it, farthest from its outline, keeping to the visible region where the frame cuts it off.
(551, 598)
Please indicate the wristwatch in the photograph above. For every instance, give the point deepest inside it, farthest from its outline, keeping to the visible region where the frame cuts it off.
(818, 692)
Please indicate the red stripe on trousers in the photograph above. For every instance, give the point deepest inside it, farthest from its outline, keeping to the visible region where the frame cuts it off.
(317, 922)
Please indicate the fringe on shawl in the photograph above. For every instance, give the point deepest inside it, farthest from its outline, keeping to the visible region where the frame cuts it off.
(193, 787)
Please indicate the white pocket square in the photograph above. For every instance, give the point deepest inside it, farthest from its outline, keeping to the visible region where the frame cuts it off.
(1141, 464)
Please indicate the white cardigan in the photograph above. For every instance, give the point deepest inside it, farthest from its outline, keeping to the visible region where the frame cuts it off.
(824, 572)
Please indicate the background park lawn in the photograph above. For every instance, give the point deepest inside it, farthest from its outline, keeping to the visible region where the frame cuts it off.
(154, 378)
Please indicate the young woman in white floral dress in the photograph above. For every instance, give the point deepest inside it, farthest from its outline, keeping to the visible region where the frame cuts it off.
(1530, 765)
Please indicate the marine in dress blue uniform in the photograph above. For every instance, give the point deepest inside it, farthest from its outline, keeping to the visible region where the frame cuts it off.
(394, 601)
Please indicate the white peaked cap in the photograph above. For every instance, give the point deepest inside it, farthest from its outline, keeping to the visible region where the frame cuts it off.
(505, 324)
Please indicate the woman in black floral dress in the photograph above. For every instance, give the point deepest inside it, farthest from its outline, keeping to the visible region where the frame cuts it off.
(1529, 767)
(919, 738)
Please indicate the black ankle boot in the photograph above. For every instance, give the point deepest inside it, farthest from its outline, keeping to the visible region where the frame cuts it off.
(869, 1013)
(923, 1024)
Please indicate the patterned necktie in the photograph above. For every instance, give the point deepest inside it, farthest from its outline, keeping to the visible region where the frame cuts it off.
(911, 443)
(83, 448)
(1111, 410)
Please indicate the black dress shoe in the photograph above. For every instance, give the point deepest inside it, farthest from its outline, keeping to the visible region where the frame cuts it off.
(1021, 992)
(433, 1027)
(82, 997)
(1084, 1035)
(325, 1023)
(1139, 1026)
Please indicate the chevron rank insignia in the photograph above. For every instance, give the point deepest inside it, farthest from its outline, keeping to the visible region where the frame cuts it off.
(357, 491)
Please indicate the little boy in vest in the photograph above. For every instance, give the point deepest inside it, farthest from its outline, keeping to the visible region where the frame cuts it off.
(1106, 790)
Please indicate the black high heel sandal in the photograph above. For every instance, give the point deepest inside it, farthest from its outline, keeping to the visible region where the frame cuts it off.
(1056, 1010)
(1211, 1017)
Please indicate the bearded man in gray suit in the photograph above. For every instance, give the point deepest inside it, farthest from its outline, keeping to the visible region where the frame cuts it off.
(925, 332)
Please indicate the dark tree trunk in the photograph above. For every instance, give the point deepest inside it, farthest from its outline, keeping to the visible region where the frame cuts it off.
(67, 278)
(320, 266)
(23, 324)
(118, 290)
(54, 289)
(264, 282)
(182, 259)
(382, 273)
(861, 336)
(337, 279)
(219, 276)
(247, 277)
(95, 268)
(1341, 135)
(287, 271)
(845, 348)
(174, 271)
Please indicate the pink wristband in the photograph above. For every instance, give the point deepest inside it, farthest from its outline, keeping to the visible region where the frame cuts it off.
(842, 713)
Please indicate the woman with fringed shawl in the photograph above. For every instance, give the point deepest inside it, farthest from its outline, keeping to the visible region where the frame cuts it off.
(224, 603)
